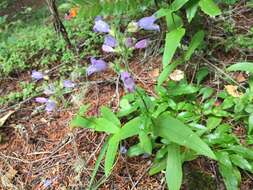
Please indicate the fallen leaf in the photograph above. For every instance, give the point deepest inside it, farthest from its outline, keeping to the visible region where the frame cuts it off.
(11, 174)
(232, 90)
(5, 117)
(154, 73)
(240, 77)
(177, 75)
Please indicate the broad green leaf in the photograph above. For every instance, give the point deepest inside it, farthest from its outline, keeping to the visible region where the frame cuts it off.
(172, 41)
(135, 150)
(131, 128)
(158, 166)
(201, 74)
(177, 4)
(182, 89)
(241, 66)
(110, 116)
(226, 169)
(177, 132)
(213, 122)
(209, 7)
(173, 21)
(191, 9)
(145, 142)
(174, 172)
(196, 41)
(241, 162)
(83, 109)
(250, 128)
(104, 125)
(111, 153)
(80, 121)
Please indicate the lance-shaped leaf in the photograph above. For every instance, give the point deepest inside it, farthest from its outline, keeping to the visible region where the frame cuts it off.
(177, 132)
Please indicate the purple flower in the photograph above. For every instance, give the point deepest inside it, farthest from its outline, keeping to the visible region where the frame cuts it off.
(141, 44)
(50, 105)
(110, 41)
(101, 26)
(41, 99)
(107, 48)
(128, 81)
(147, 23)
(37, 75)
(49, 90)
(68, 84)
(129, 42)
(123, 150)
(97, 65)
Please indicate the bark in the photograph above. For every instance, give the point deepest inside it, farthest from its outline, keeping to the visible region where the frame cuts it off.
(58, 25)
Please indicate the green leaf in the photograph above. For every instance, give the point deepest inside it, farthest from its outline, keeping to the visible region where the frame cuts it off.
(241, 162)
(243, 151)
(104, 125)
(213, 122)
(98, 161)
(209, 7)
(158, 166)
(110, 116)
(167, 71)
(206, 92)
(172, 41)
(173, 21)
(241, 66)
(177, 132)
(80, 121)
(145, 142)
(111, 153)
(250, 128)
(196, 41)
(131, 128)
(201, 74)
(177, 4)
(226, 169)
(174, 172)
(191, 9)
(83, 109)
(135, 150)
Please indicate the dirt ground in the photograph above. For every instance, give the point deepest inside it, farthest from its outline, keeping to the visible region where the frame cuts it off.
(40, 150)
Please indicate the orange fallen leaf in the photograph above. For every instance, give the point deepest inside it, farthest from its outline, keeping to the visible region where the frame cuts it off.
(232, 90)
(73, 12)
(154, 73)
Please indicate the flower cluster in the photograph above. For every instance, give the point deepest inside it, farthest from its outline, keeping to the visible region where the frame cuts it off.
(49, 90)
(112, 43)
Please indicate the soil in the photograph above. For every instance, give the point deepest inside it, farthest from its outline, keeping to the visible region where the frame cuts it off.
(41, 151)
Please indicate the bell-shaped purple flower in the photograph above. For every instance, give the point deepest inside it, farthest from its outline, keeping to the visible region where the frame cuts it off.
(37, 75)
(107, 48)
(101, 26)
(68, 84)
(41, 99)
(49, 90)
(97, 65)
(141, 44)
(147, 23)
(127, 81)
(50, 105)
(110, 41)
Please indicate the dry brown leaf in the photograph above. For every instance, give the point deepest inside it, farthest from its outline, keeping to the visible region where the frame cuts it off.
(5, 117)
(154, 73)
(232, 90)
(177, 75)
(240, 77)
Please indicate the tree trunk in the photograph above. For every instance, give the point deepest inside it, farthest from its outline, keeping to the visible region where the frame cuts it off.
(58, 25)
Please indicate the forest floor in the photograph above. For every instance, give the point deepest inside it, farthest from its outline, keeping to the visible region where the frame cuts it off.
(40, 151)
